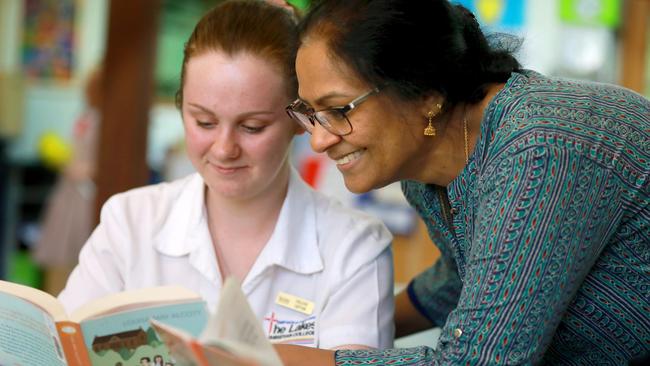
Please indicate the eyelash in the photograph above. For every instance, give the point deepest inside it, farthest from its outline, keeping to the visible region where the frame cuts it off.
(253, 130)
(206, 125)
(248, 129)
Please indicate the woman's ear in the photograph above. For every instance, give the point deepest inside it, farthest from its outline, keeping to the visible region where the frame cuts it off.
(434, 103)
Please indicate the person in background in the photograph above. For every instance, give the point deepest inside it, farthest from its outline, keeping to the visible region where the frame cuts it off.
(68, 216)
(535, 189)
(246, 213)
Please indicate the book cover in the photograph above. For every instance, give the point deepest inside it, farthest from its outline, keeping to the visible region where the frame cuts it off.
(114, 330)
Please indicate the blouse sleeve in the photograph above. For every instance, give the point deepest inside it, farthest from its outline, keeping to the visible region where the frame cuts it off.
(361, 320)
(100, 262)
(361, 264)
(543, 216)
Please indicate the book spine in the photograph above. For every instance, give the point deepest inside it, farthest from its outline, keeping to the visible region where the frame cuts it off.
(72, 341)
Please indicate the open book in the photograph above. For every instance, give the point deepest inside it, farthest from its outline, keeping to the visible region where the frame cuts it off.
(114, 330)
(233, 335)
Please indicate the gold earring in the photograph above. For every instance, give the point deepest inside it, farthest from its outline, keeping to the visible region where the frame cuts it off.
(430, 130)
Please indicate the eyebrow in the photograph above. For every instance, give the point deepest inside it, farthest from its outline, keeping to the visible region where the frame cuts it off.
(243, 115)
(201, 108)
(324, 98)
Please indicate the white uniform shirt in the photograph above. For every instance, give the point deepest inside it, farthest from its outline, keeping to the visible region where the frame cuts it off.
(320, 251)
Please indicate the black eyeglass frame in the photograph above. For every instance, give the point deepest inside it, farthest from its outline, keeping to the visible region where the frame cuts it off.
(313, 115)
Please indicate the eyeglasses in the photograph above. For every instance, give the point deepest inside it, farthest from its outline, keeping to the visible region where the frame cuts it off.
(334, 119)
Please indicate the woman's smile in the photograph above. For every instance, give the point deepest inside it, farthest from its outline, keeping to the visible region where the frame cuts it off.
(347, 160)
(227, 170)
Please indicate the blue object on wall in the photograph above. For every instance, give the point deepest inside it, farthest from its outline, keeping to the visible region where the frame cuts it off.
(497, 14)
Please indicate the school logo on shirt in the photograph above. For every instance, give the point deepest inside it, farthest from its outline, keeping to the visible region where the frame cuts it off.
(291, 331)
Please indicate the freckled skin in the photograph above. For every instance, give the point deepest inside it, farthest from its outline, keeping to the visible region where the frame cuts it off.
(236, 131)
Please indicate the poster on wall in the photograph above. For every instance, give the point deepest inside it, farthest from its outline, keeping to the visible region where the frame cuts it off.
(48, 39)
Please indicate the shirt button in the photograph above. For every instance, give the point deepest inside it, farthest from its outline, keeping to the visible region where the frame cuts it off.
(454, 211)
(457, 333)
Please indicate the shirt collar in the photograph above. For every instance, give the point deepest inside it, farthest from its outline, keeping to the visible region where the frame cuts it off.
(293, 244)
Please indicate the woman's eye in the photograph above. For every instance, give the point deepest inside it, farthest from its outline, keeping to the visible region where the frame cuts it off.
(206, 125)
(253, 129)
(332, 115)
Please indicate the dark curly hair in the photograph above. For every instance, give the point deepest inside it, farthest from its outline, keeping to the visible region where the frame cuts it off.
(414, 47)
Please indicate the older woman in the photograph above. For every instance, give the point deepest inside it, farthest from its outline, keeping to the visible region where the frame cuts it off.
(534, 188)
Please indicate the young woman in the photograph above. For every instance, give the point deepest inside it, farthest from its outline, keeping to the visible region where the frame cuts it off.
(246, 213)
(535, 189)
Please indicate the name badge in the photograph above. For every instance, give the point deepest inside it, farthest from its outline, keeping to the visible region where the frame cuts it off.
(295, 303)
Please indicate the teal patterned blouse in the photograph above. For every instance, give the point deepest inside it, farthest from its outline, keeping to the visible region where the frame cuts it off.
(544, 235)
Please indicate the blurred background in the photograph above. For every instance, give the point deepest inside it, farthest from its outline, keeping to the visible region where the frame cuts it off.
(65, 129)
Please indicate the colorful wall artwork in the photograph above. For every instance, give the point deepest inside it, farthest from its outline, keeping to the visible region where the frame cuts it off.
(48, 39)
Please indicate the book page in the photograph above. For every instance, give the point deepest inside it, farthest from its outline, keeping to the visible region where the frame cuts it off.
(28, 334)
(188, 352)
(133, 299)
(46, 301)
(181, 345)
(216, 357)
(128, 336)
(235, 327)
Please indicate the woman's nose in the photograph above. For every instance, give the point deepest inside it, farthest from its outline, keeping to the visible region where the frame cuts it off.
(225, 145)
(321, 139)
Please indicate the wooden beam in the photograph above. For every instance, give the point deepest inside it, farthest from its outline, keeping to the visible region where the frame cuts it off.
(128, 92)
(635, 31)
